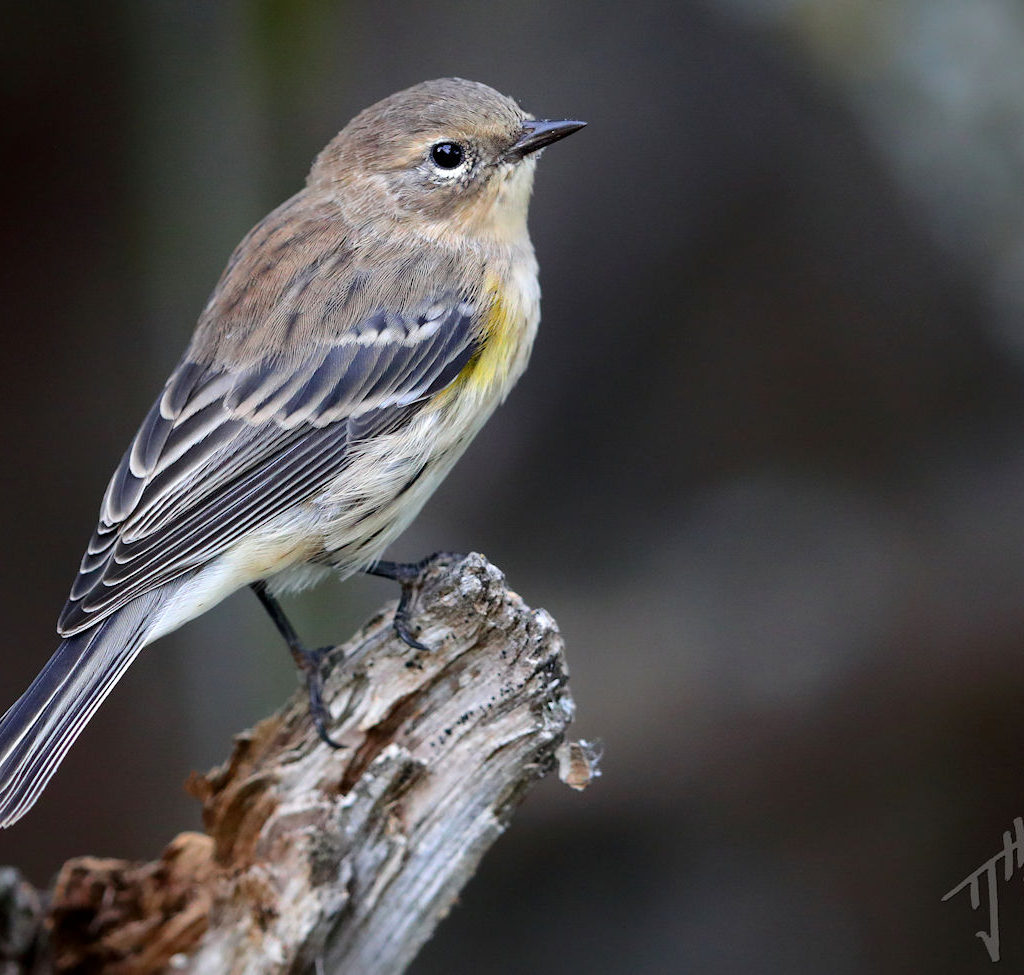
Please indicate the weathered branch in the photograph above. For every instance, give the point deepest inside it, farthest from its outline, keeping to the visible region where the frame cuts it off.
(348, 856)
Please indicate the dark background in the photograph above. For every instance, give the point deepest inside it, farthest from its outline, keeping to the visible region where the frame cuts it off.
(766, 469)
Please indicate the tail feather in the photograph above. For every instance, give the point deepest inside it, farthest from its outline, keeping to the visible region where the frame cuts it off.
(40, 727)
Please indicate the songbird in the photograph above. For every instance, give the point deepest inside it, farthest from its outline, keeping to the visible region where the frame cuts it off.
(359, 338)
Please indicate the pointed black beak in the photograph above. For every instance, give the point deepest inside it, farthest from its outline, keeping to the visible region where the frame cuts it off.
(538, 133)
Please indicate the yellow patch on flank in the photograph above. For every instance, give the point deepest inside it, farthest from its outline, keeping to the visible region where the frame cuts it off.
(502, 332)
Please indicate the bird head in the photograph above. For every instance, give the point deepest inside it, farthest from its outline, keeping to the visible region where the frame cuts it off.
(443, 157)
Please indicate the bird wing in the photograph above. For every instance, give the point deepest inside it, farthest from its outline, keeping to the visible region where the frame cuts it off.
(223, 451)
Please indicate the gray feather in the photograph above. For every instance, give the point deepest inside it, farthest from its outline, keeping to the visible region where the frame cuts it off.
(44, 722)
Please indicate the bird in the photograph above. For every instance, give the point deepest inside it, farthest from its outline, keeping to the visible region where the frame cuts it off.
(358, 339)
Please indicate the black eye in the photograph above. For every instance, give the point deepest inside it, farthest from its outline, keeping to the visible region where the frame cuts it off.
(447, 155)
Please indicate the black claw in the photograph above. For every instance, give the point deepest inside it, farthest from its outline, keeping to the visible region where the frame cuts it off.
(310, 662)
(409, 575)
(314, 688)
(401, 625)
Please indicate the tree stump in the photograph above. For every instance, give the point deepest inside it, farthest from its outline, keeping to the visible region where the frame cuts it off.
(343, 860)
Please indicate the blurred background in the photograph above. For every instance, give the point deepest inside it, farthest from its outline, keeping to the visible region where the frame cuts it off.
(766, 468)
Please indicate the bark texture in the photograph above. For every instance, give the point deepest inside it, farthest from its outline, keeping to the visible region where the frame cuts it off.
(346, 859)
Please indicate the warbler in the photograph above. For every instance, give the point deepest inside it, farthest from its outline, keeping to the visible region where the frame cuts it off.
(358, 339)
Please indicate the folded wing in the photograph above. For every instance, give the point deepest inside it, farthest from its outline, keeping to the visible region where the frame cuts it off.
(224, 451)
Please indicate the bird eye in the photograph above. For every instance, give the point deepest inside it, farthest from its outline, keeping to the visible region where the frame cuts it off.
(447, 155)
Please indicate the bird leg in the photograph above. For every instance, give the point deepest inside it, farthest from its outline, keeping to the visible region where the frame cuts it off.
(409, 575)
(310, 662)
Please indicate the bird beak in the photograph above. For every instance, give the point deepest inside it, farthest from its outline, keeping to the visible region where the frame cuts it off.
(538, 133)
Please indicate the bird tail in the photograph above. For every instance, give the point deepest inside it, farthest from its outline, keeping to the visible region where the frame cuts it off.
(40, 727)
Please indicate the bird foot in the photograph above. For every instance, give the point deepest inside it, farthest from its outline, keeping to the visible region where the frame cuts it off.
(409, 575)
(311, 663)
